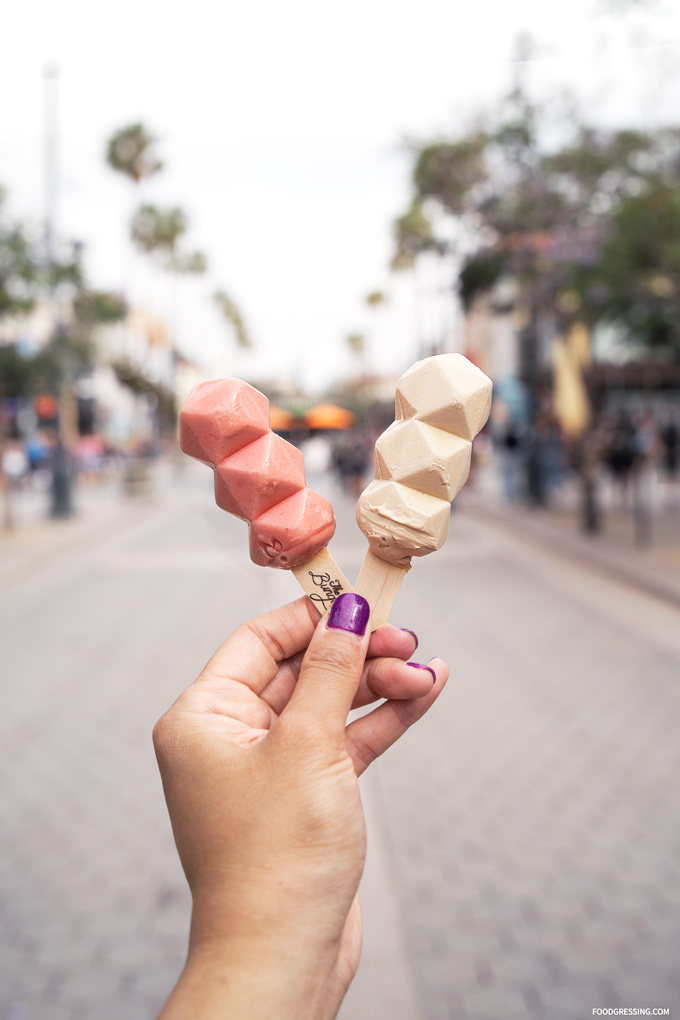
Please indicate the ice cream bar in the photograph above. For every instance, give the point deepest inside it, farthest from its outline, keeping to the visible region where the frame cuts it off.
(421, 462)
(260, 478)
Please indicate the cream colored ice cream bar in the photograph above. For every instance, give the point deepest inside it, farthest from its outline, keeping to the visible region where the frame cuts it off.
(421, 462)
(400, 522)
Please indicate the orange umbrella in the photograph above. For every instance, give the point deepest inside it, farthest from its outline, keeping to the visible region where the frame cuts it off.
(280, 418)
(329, 416)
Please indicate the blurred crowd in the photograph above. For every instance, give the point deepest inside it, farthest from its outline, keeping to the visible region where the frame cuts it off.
(42, 463)
(624, 445)
(531, 464)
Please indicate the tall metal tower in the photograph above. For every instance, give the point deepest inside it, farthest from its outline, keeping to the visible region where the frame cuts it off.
(51, 110)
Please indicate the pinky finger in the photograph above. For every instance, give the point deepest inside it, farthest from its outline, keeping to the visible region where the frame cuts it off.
(373, 733)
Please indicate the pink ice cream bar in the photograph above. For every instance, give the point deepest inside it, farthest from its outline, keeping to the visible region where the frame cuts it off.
(220, 417)
(260, 478)
(292, 532)
(260, 475)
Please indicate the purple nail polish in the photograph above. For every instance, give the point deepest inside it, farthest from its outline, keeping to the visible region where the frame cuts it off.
(414, 636)
(419, 665)
(350, 612)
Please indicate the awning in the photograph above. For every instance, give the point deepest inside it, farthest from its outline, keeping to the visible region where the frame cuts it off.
(280, 418)
(329, 416)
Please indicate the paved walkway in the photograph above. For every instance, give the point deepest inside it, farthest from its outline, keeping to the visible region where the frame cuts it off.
(525, 855)
(534, 817)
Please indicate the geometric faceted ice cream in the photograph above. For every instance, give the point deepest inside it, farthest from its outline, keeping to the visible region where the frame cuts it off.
(447, 391)
(400, 522)
(423, 457)
(259, 477)
(421, 462)
(219, 417)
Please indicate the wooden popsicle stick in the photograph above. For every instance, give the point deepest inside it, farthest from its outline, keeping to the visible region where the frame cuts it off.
(379, 583)
(322, 579)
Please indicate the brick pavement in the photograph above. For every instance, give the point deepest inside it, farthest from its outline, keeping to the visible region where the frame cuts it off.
(534, 816)
(94, 907)
(528, 827)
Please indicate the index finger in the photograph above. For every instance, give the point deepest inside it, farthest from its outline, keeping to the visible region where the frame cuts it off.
(251, 655)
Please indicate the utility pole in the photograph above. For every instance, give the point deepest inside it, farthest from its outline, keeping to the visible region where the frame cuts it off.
(51, 108)
(61, 503)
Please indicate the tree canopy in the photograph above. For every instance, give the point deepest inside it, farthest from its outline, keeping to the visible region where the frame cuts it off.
(232, 315)
(158, 232)
(588, 223)
(131, 151)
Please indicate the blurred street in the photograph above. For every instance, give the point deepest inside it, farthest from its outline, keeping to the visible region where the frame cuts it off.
(524, 838)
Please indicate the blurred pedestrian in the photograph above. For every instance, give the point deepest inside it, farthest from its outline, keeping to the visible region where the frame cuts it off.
(38, 452)
(620, 455)
(15, 464)
(62, 480)
(352, 455)
(90, 458)
(669, 436)
(553, 454)
(13, 470)
(645, 442)
(511, 440)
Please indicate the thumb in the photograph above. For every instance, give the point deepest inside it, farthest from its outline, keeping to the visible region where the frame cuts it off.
(333, 663)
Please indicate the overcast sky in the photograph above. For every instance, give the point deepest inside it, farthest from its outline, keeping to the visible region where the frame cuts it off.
(281, 127)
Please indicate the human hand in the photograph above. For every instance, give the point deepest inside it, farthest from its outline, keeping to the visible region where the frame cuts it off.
(260, 774)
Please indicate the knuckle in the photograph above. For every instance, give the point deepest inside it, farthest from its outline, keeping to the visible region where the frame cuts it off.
(164, 735)
(331, 658)
(365, 752)
(379, 674)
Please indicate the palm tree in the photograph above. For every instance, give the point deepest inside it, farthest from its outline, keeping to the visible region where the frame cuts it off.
(157, 233)
(414, 236)
(232, 315)
(130, 151)
(356, 343)
(375, 301)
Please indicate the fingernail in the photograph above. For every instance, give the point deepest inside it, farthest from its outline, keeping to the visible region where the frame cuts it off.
(350, 612)
(414, 636)
(419, 665)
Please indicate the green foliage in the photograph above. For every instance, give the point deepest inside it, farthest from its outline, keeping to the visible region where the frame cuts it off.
(137, 382)
(589, 227)
(97, 306)
(19, 271)
(413, 234)
(15, 373)
(451, 171)
(158, 232)
(479, 274)
(130, 151)
(76, 347)
(233, 317)
(636, 278)
(194, 263)
(45, 371)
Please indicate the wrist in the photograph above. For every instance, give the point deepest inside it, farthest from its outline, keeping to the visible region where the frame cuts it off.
(254, 977)
(304, 916)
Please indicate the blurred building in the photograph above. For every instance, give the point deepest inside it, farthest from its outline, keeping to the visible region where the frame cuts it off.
(522, 354)
(128, 387)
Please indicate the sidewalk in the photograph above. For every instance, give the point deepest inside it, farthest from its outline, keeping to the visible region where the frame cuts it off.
(523, 855)
(100, 509)
(106, 619)
(653, 567)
